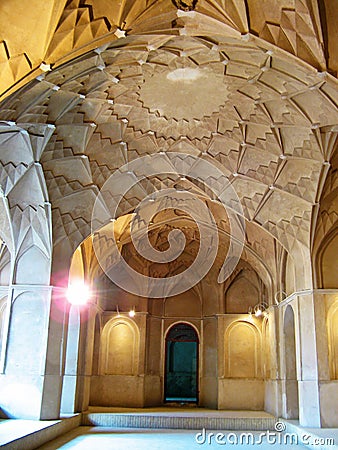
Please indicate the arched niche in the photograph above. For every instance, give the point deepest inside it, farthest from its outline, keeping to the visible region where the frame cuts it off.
(291, 400)
(3, 308)
(332, 328)
(37, 273)
(112, 297)
(243, 292)
(325, 242)
(29, 319)
(327, 262)
(120, 347)
(76, 270)
(186, 304)
(5, 265)
(242, 351)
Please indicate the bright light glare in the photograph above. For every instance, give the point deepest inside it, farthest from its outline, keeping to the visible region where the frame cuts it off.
(132, 313)
(78, 293)
(258, 313)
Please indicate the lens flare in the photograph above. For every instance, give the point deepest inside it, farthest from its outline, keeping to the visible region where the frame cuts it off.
(78, 293)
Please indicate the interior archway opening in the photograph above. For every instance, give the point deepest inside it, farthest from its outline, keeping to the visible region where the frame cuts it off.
(181, 364)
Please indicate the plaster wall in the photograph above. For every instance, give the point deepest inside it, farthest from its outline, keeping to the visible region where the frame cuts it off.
(241, 394)
(117, 390)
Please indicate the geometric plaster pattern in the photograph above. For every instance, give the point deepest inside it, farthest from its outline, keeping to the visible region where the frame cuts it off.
(272, 134)
(270, 124)
(56, 31)
(23, 189)
(327, 219)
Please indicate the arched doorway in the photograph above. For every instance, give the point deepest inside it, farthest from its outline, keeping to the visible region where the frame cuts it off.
(181, 364)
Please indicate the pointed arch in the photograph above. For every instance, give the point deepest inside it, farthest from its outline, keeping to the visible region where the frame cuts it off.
(243, 350)
(120, 347)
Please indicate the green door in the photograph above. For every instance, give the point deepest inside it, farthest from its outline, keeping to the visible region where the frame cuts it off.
(181, 364)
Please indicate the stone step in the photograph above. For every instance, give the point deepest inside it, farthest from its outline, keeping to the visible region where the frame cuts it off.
(323, 438)
(181, 419)
(18, 434)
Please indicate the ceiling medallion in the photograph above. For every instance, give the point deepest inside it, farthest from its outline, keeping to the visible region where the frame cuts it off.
(184, 93)
(186, 5)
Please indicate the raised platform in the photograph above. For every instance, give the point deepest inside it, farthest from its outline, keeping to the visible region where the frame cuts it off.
(323, 438)
(18, 434)
(66, 433)
(181, 418)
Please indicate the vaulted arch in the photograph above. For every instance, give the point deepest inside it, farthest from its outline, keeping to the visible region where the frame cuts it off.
(171, 132)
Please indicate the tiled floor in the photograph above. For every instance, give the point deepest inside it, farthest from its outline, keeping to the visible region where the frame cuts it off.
(97, 438)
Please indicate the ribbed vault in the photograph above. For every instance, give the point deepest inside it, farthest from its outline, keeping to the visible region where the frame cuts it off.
(217, 82)
(55, 31)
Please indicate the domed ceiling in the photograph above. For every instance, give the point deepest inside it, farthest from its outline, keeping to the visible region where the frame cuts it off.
(247, 90)
(55, 31)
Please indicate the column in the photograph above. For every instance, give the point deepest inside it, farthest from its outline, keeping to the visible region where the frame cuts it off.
(28, 233)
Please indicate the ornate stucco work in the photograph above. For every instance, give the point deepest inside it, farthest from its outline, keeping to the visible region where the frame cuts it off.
(55, 31)
(200, 98)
